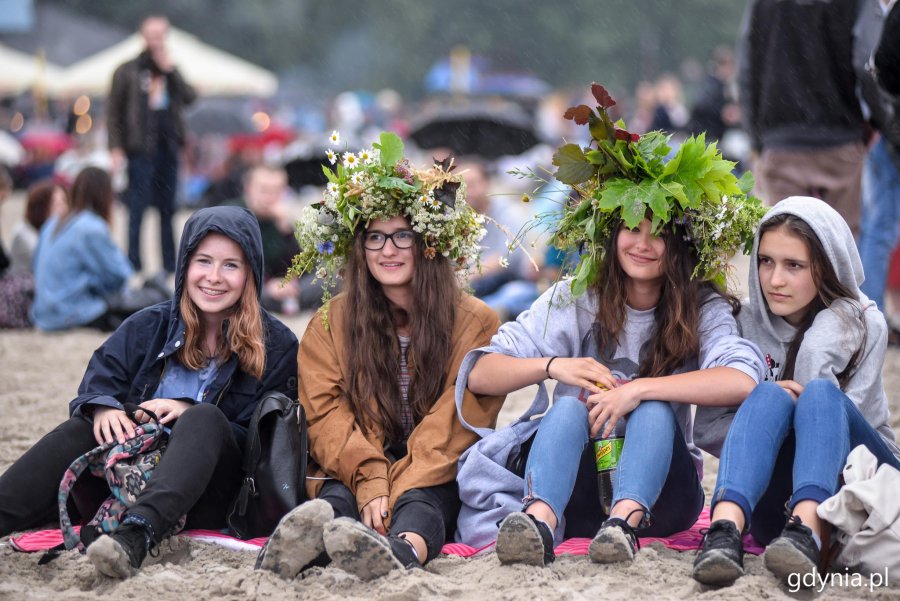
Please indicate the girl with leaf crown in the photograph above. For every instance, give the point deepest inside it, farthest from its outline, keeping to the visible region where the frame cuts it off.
(379, 366)
(641, 331)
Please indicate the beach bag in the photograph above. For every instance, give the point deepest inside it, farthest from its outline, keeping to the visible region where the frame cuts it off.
(275, 459)
(126, 467)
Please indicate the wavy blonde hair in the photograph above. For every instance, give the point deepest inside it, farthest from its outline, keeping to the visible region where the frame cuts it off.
(244, 332)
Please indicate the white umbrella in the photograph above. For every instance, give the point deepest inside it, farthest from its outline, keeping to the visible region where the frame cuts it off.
(19, 71)
(11, 152)
(211, 71)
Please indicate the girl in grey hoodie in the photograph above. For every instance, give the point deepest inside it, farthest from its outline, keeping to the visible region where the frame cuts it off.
(824, 344)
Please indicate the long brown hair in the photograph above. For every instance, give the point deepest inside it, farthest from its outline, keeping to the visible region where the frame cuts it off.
(372, 347)
(676, 338)
(829, 287)
(242, 333)
(92, 191)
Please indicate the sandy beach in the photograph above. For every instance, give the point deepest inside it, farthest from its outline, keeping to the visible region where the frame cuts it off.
(39, 374)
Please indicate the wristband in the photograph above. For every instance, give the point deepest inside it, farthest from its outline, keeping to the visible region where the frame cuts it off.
(547, 367)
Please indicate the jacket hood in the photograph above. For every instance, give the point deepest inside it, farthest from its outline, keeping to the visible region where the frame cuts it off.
(236, 223)
(840, 247)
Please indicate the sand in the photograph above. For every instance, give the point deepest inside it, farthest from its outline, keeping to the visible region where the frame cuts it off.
(40, 373)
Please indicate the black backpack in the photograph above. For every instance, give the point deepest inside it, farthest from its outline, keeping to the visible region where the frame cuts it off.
(275, 460)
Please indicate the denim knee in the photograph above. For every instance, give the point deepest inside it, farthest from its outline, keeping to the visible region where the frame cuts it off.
(822, 391)
(566, 410)
(659, 412)
(774, 396)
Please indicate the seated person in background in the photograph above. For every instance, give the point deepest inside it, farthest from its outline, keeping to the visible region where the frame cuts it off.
(80, 275)
(500, 269)
(265, 187)
(45, 199)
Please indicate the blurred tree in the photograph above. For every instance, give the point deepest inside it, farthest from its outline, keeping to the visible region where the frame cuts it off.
(392, 43)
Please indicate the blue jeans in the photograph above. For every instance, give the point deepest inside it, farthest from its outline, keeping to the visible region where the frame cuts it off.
(655, 469)
(778, 453)
(880, 217)
(152, 182)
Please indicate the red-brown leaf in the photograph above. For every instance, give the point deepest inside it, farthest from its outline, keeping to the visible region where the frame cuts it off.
(580, 114)
(602, 96)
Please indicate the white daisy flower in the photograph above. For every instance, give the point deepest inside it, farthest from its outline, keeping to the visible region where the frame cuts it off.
(332, 188)
(335, 137)
(504, 262)
(332, 156)
(350, 160)
(356, 178)
(365, 156)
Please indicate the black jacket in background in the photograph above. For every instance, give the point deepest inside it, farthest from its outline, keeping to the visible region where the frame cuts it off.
(799, 72)
(887, 57)
(129, 122)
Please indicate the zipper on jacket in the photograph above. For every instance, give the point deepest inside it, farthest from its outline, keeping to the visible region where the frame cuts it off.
(222, 393)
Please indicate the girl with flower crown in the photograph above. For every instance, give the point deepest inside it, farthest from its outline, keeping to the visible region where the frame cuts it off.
(823, 395)
(379, 363)
(639, 334)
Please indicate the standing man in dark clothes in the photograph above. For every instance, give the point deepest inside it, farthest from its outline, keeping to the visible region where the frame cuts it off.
(801, 63)
(146, 126)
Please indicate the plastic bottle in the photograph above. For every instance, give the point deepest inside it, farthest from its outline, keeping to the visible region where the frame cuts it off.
(607, 452)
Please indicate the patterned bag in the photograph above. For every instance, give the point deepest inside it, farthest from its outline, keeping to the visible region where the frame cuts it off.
(126, 467)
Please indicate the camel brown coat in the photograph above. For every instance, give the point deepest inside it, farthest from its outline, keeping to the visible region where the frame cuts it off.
(337, 445)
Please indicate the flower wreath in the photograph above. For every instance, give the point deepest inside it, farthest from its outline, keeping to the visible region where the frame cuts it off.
(624, 177)
(378, 183)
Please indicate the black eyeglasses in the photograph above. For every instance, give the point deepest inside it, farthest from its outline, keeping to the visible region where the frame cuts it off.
(377, 240)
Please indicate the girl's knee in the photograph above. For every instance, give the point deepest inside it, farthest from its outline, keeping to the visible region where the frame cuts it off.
(657, 411)
(202, 415)
(771, 396)
(820, 391)
(567, 408)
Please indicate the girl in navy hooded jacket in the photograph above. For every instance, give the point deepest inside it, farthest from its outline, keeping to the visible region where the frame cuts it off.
(200, 362)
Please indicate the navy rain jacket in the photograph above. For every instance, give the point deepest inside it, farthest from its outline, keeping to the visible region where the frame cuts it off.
(129, 365)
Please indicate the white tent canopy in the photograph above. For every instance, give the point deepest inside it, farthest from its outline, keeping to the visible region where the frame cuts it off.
(19, 71)
(211, 71)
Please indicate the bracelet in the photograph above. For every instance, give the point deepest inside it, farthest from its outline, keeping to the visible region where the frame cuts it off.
(547, 368)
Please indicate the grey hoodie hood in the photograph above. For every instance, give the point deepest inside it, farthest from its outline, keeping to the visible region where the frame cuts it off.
(833, 232)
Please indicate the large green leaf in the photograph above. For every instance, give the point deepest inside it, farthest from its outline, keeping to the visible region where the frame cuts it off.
(390, 147)
(746, 182)
(628, 195)
(574, 168)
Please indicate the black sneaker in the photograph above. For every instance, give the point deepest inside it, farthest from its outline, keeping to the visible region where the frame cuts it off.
(120, 554)
(524, 539)
(721, 558)
(615, 542)
(794, 552)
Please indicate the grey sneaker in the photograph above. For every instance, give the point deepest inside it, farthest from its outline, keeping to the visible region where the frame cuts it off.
(359, 550)
(794, 552)
(614, 542)
(120, 554)
(297, 539)
(523, 539)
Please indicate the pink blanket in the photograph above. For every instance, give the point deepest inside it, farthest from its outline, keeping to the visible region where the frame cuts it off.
(688, 540)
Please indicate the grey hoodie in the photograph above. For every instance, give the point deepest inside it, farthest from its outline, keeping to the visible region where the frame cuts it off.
(829, 342)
